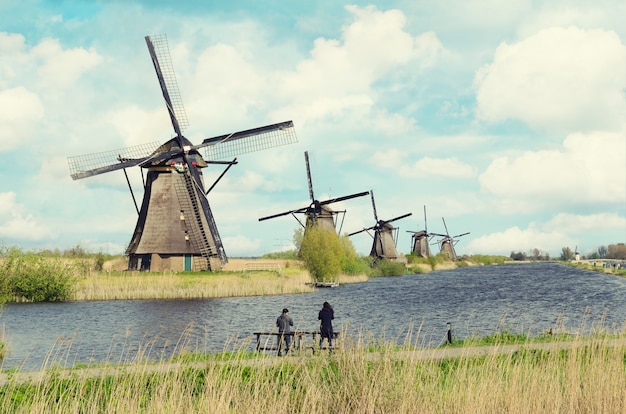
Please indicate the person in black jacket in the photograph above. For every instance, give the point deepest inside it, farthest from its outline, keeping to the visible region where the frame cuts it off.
(284, 323)
(326, 316)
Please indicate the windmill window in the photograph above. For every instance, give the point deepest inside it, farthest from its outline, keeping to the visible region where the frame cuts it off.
(182, 215)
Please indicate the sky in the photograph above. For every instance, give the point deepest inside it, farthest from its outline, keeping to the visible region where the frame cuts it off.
(505, 119)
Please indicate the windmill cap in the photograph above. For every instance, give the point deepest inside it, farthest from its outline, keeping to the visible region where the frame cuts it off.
(285, 310)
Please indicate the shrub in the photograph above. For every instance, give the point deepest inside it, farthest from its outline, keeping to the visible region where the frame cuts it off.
(322, 253)
(31, 277)
(385, 267)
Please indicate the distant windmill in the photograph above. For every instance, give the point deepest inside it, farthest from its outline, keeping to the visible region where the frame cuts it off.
(176, 229)
(318, 213)
(420, 240)
(385, 235)
(447, 243)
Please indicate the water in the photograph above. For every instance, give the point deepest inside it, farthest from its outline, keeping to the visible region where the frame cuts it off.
(528, 298)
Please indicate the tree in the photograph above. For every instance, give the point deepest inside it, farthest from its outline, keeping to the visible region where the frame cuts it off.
(567, 254)
(518, 256)
(322, 253)
(617, 251)
(298, 234)
(602, 251)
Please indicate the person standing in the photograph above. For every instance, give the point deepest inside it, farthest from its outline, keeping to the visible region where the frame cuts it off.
(284, 324)
(326, 316)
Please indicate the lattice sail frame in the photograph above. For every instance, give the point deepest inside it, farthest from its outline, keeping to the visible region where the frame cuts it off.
(162, 51)
(231, 145)
(83, 163)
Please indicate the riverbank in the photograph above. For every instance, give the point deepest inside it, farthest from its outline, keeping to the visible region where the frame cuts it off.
(583, 375)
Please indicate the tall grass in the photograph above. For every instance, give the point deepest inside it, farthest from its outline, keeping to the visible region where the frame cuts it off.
(587, 376)
(143, 285)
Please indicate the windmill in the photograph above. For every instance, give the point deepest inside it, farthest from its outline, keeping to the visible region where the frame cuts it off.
(420, 239)
(385, 235)
(318, 213)
(447, 243)
(175, 228)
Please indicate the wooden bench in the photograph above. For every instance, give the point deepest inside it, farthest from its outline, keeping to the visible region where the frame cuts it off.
(298, 337)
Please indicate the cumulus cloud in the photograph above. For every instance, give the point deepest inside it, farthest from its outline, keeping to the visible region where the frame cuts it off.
(238, 246)
(15, 225)
(338, 76)
(20, 111)
(559, 79)
(562, 230)
(588, 169)
(450, 167)
(516, 239)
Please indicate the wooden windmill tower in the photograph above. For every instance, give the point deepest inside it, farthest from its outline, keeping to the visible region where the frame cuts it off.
(447, 243)
(176, 229)
(420, 240)
(318, 213)
(385, 235)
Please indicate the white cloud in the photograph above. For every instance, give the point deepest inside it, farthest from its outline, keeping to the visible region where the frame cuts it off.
(562, 230)
(20, 111)
(560, 79)
(450, 167)
(59, 67)
(338, 77)
(15, 225)
(516, 239)
(237, 246)
(589, 169)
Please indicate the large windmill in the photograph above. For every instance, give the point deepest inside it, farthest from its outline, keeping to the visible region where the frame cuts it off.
(176, 229)
(420, 240)
(385, 235)
(447, 242)
(318, 213)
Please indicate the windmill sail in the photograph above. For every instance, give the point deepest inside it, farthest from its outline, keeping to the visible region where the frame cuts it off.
(318, 213)
(385, 235)
(175, 222)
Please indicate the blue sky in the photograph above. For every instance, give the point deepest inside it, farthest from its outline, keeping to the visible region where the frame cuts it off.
(508, 119)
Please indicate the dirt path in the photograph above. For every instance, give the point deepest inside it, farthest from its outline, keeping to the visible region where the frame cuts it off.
(426, 354)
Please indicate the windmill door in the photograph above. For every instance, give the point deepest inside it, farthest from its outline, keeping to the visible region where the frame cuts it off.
(188, 263)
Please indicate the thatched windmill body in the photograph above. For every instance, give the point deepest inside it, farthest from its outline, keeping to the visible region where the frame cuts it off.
(447, 242)
(420, 240)
(175, 228)
(385, 235)
(317, 213)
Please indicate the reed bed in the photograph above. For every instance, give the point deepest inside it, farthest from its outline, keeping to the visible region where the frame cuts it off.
(140, 285)
(586, 376)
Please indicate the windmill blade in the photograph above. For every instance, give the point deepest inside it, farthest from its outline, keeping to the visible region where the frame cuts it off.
(231, 145)
(360, 231)
(446, 227)
(440, 235)
(336, 200)
(425, 223)
(308, 175)
(398, 218)
(374, 205)
(160, 54)
(459, 235)
(198, 190)
(298, 210)
(83, 166)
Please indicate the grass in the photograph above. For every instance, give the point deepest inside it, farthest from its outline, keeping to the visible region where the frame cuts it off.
(589, 376)
(188, 285)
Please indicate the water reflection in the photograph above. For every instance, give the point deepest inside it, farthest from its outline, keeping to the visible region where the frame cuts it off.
(475, 300)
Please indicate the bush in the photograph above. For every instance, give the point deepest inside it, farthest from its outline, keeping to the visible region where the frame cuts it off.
(385, 267)
(322, 253)
(31, 277)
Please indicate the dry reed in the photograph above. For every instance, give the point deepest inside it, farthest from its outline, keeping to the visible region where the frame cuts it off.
(587, 376)
(137, 285)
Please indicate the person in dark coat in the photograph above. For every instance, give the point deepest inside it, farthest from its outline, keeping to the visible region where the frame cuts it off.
(284, 323)
(326, 316)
